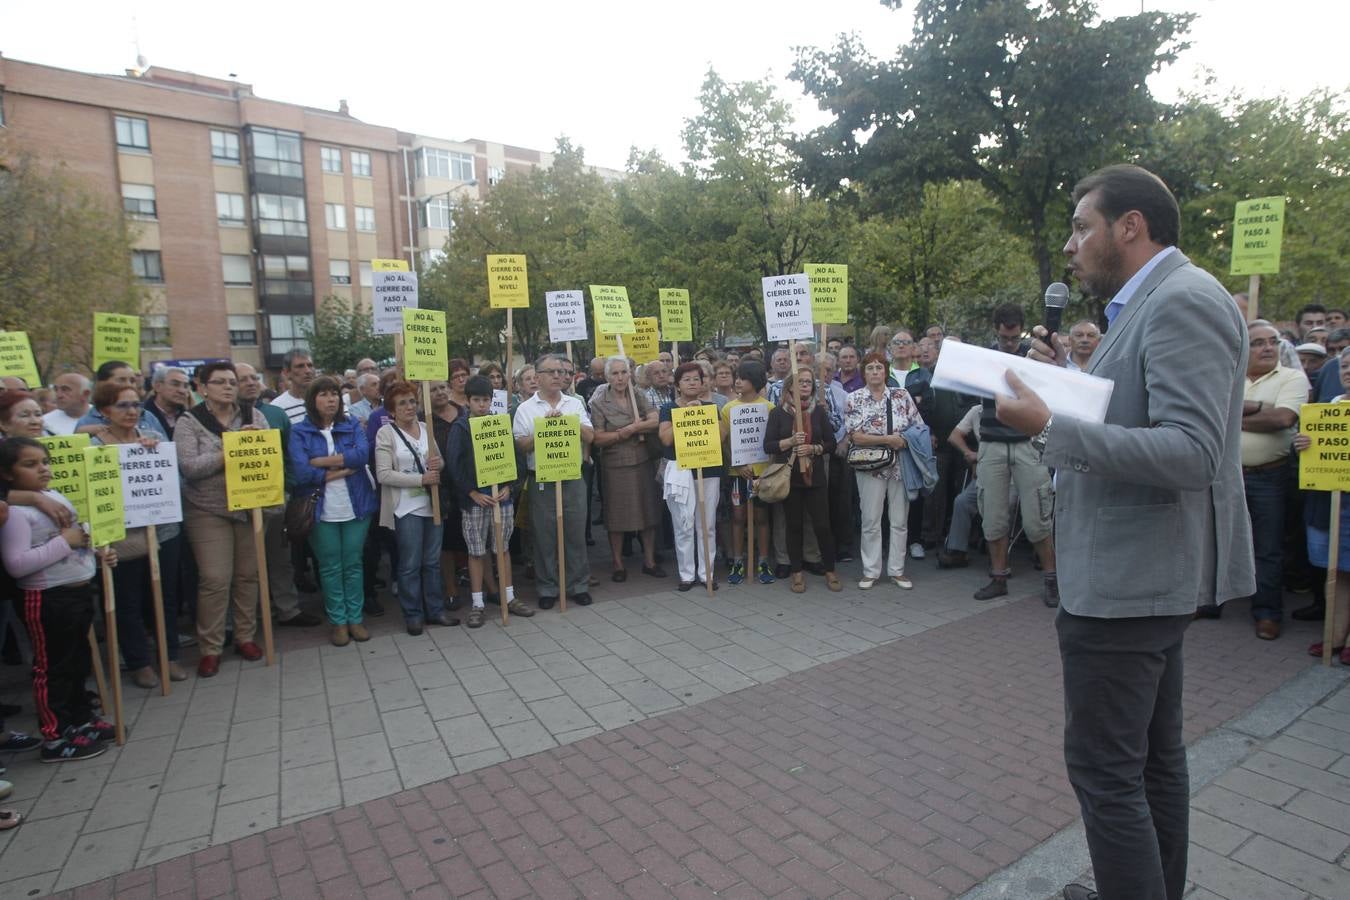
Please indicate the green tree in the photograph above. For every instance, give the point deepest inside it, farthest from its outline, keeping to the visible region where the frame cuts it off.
(65, 253)
(342, 334)
(1022, 98)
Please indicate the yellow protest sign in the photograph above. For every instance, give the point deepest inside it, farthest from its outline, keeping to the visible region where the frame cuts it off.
(389, 265)
(1258, 230)
(117, 337)
(698, 440)
(613, 315)
(557, 448)
(255, 470)
(67, 463)
(829, 292)
(645, 344)
(676, 322)
(494, 453)
(508, 282)
(16, 358)
(103, 486)
(426, 350)
(605, 344)
(1325, 466)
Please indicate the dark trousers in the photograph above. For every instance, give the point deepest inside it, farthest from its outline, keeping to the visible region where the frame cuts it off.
(1265, 505)
(58, 621)
(842, 488)
(378, 540)
(1124, 751)
(135, 609)
(937, 506)
(814, 501)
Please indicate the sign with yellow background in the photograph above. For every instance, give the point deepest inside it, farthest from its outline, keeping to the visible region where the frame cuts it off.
(103, 485)
(389, 265)
(508, 282)
(1325, 466)
(829, 293)
(557, 448)
(426, 349)
(255, 470)
(67, 463)
(494, 454)
(677, 324)
(698, 440)
(117, 337)
(645, 343)
(613, 315)
(16, 358)
(1258, 231)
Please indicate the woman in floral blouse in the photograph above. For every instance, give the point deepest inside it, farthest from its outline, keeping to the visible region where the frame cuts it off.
(865, 419)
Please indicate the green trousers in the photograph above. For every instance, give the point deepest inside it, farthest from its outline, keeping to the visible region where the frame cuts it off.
(338, 547)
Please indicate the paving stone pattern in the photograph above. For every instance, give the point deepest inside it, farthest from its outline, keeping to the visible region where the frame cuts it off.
(916, 768)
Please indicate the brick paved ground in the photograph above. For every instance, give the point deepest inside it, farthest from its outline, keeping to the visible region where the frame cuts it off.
(916, 768)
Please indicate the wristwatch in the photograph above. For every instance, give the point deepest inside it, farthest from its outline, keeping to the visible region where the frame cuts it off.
(1038, 442)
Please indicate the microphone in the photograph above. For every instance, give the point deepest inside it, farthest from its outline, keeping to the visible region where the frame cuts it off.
(1056, 298)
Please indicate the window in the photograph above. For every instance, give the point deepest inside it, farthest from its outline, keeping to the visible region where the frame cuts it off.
(366, 278)
(461, 167)
(288, 332)
(360, 163)
(277, 153)
(132, 134)
(224, 146)
(434, 162)
(432, 257)
(229, 208)
(495, 175)
(365, 218)
(139, 200)
(155, 331)
(331, 159)
(340, 271)
(243, 331)
(238, 269)
(280, 214)
(286, 266)
(146, 265)
(436, 213)
(335, 214)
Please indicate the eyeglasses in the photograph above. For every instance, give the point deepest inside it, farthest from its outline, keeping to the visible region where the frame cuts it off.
(177, 384)
(126, 405)
(901, 343)
(1266, 342)
(548, 371)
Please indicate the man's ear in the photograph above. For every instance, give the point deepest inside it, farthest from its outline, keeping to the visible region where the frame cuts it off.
(1132, 226)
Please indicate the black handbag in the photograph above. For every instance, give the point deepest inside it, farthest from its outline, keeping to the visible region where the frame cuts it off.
(300, 511)
(874, 458)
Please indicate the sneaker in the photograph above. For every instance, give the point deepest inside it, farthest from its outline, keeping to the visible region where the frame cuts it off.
(902, 582)
(72, 749)
(6, 788)
(997, 587)
(17, 742)
(98, 728)
(737, 573)
(1050, 591)
(476, 616)
(916, 550)
(766, 574)
(844, 556)
(187, 640)
(145, 677)
(866, 584)
(519, 608)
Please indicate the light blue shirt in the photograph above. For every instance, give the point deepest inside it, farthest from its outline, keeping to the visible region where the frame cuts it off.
(1127, 291)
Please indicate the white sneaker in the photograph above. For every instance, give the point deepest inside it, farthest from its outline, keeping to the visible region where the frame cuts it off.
(866, 584)
(916, 550)
(5, 789)
(902, 582)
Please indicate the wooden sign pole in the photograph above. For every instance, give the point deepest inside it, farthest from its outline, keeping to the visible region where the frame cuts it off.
(632, 388)
(432, 450)
(1333, 559)
(1253, 297)
(157, 598)
(797, 415)
(675, 352)
(749, 528)
(264, 592)
(100, 679)
(114, 670)
(501, 558)
(703, 531)
(562, 553)
(398, 354)
(509, 342)
(572, 385)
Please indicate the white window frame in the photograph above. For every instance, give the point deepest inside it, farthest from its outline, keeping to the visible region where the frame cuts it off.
(129, 129)
(461, 166)
(360, 164)
(437, 214)
(236, 324)
(237, 269)
(145, 256)
(229, 208)
(155, 331)
(139, 195)
(365, 218)
(228, 141)
(335, 216)
(285, 330)
(367, 273)
(330, 160)
(340, 271)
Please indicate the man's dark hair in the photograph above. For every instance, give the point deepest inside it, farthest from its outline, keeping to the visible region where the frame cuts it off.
(753, 372)
(324, 384)
(1007, 314)
(291, 355)
(105, 371)
(1309, 308)
(1339, 336)
(1332, 309)
(478, 386)
(1121, 188)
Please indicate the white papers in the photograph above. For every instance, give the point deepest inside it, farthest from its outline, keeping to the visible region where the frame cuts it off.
(390, 292)
(150, 489)
(982, 372)
(787, 307)
(566, 316)
(499, 402)
(748, 422)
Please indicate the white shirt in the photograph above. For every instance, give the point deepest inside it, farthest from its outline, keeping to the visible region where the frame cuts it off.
(533, 408)
(337, 501)
(57, 422)
(411, 501)
(291, 405)
(1127, 291)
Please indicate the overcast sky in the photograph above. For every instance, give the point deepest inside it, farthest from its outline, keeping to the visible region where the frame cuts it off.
(610, 74)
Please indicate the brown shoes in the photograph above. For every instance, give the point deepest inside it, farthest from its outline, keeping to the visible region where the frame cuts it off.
(358, 632)
(341, 636)
(1267, 630)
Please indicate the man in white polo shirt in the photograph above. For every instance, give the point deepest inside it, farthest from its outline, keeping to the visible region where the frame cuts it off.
(72, 402)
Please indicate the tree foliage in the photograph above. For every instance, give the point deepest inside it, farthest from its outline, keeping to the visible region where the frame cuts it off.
(342, 333)
(65, 253)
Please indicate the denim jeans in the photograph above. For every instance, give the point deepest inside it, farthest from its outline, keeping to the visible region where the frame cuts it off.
(421, 592)
(337, 547)
(1265, 504)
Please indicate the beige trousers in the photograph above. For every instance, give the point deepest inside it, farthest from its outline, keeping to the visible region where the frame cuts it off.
(228, 573)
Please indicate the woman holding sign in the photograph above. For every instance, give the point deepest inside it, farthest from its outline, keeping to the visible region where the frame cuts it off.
(631, 503)
(407, 467)
(808, 493)
(328, 454)
(121, 407)
(679, 486)
(221, 540)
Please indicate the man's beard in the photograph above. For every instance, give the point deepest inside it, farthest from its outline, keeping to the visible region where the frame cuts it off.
(1108, 282)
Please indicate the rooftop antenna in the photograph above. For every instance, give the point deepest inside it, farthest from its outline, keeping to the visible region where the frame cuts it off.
(141, 62)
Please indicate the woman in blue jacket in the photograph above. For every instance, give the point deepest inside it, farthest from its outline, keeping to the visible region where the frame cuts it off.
(328, 450)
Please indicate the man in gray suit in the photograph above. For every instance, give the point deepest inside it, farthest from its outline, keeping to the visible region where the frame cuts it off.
(1150, 522)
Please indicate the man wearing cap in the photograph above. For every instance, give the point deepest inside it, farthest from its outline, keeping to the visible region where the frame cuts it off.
(1311, 356)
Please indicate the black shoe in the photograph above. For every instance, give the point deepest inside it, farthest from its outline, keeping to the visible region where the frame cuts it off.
(598, 520)
(997, 587)
(373, 607)
(956, 560)
(781, 572)
(686, 586)
(414, 628)
(1313, 612)
(454, 603)
(1209, 611)
(844, 556)
(73, 749)
(380, 584)
(306, 585)
(301, 619)
(1050, 591)
(9, 709)
(815, 568)
(655, 571)
(590, 541)
(582, 599)
(443, 620)
(546, 602)
(1078, 892)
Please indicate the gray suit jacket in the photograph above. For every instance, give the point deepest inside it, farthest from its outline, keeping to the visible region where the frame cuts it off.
(1150, 513)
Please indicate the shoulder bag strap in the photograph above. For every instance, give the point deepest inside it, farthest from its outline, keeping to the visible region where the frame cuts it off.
(411, 450)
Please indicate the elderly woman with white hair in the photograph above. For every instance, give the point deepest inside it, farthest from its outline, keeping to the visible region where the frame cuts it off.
(625, 443)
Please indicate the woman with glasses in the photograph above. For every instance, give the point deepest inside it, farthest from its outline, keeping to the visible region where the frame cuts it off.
(408, 466)
(679, 486)
(221, 540)
(624, 424)
(121, 407)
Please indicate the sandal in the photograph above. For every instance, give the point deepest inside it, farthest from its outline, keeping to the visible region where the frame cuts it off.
(798, 583)
(9, 819)
(832, 582)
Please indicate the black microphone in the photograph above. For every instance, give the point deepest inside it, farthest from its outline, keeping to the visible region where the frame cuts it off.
(1056, 298)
